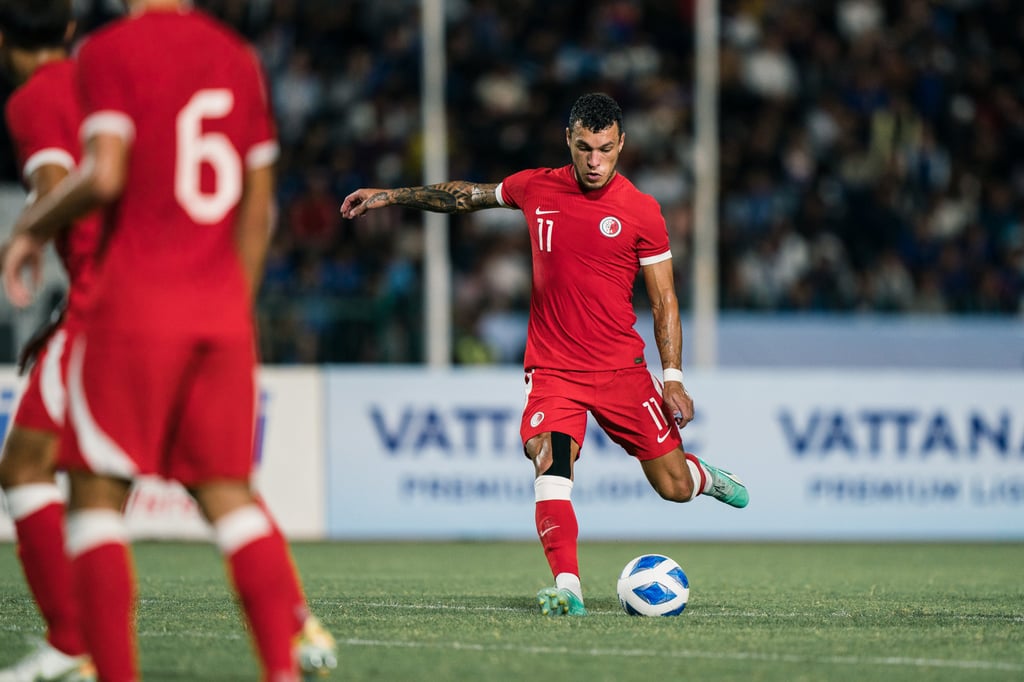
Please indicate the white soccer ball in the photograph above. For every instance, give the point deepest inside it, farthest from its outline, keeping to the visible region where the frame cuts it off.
(653, 585)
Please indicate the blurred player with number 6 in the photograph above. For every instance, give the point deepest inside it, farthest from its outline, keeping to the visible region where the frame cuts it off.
(179, 154)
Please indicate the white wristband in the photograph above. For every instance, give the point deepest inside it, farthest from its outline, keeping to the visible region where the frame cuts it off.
(672, 374)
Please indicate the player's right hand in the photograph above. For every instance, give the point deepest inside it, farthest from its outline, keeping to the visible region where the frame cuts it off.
(677, 403)
(362, 200)
(22, 251)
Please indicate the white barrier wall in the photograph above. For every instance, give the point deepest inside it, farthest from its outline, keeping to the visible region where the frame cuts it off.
(826, 455)
(290, 474)
(387, 452)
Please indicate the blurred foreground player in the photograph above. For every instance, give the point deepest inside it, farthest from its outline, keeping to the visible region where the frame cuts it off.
(179, 149)
(43, 118)
(591, 231)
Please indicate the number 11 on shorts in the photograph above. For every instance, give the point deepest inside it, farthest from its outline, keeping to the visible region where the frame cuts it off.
(654, 410)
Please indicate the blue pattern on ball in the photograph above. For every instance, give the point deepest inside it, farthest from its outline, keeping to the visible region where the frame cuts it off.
(680, 577)
(654, 593)
(646, 562)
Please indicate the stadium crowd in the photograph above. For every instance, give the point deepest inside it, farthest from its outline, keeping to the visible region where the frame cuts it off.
(870, 154)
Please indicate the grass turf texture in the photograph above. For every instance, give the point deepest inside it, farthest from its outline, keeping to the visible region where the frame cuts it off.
(465, 611)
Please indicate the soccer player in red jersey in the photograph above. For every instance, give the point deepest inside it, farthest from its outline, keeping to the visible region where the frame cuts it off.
(179, 150)
(43, 117)
(591, 231)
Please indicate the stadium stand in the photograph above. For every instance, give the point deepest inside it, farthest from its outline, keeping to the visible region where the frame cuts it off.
(870, 154)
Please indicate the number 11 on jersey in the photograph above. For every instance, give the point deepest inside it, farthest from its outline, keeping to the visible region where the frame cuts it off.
(544, 226)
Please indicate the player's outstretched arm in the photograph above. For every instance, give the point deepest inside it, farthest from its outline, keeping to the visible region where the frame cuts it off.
(455, 196)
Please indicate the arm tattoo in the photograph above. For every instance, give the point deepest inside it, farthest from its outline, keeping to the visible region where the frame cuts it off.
(668, 333)
(669, 339)
(456, 196)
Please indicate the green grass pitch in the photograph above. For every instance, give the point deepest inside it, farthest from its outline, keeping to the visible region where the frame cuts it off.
(465, 611)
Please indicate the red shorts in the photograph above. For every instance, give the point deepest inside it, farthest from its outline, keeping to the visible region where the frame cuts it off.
(183, 409)
(42, 402)
(626, 404)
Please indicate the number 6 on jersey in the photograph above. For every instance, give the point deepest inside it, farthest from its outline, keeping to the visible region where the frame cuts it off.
(194, 148)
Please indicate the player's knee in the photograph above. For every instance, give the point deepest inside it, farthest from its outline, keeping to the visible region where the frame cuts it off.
(674, 489)
(26, 459)
(561, 456)
(553, 460)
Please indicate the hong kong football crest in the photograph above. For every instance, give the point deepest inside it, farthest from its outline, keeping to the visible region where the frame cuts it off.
(611, 227)
(536, 419)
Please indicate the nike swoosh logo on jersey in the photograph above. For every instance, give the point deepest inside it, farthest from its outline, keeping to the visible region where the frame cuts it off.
(548, 530)
(540, 212)
(661, 438)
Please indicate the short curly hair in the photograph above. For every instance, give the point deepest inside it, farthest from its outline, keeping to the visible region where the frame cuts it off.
(595, 111)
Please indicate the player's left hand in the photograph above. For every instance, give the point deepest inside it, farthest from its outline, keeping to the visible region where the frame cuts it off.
(21, 252)
(677, 403)
(362, 200)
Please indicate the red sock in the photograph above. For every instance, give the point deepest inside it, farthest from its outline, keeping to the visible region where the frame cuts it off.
(266, 582)
(698, 483)
(48, 574)
(105, 586)
(299, 608)
(558, 532)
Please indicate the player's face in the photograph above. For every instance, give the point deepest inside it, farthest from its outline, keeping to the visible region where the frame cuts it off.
(594, 154)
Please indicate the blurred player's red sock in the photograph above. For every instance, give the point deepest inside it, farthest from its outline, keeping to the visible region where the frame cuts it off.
(267, 585)
(556, 524)
(105, 587)
(701, 480)
(38, 513)
(300, 608)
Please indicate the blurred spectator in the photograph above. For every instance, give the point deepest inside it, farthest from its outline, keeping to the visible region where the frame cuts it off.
(298, 95)
(313, 216)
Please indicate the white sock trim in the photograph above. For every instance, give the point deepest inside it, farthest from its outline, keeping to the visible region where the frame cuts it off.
(237, 529)
(568, 581)
(552, 488)
(695, 474)
(87, 529)
(25, 500)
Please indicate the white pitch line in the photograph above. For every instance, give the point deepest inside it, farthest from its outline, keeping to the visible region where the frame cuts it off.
(603, 612)
(686, 654)
(438, 606)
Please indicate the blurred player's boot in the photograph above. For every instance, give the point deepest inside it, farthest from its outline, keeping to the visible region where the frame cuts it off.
(560, 602)
(86, 672)
(45, 663)
(725, 487)
(316, 649)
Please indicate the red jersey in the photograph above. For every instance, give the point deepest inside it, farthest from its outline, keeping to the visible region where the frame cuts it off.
(43, 117)
(187, 94)
(587, 248)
